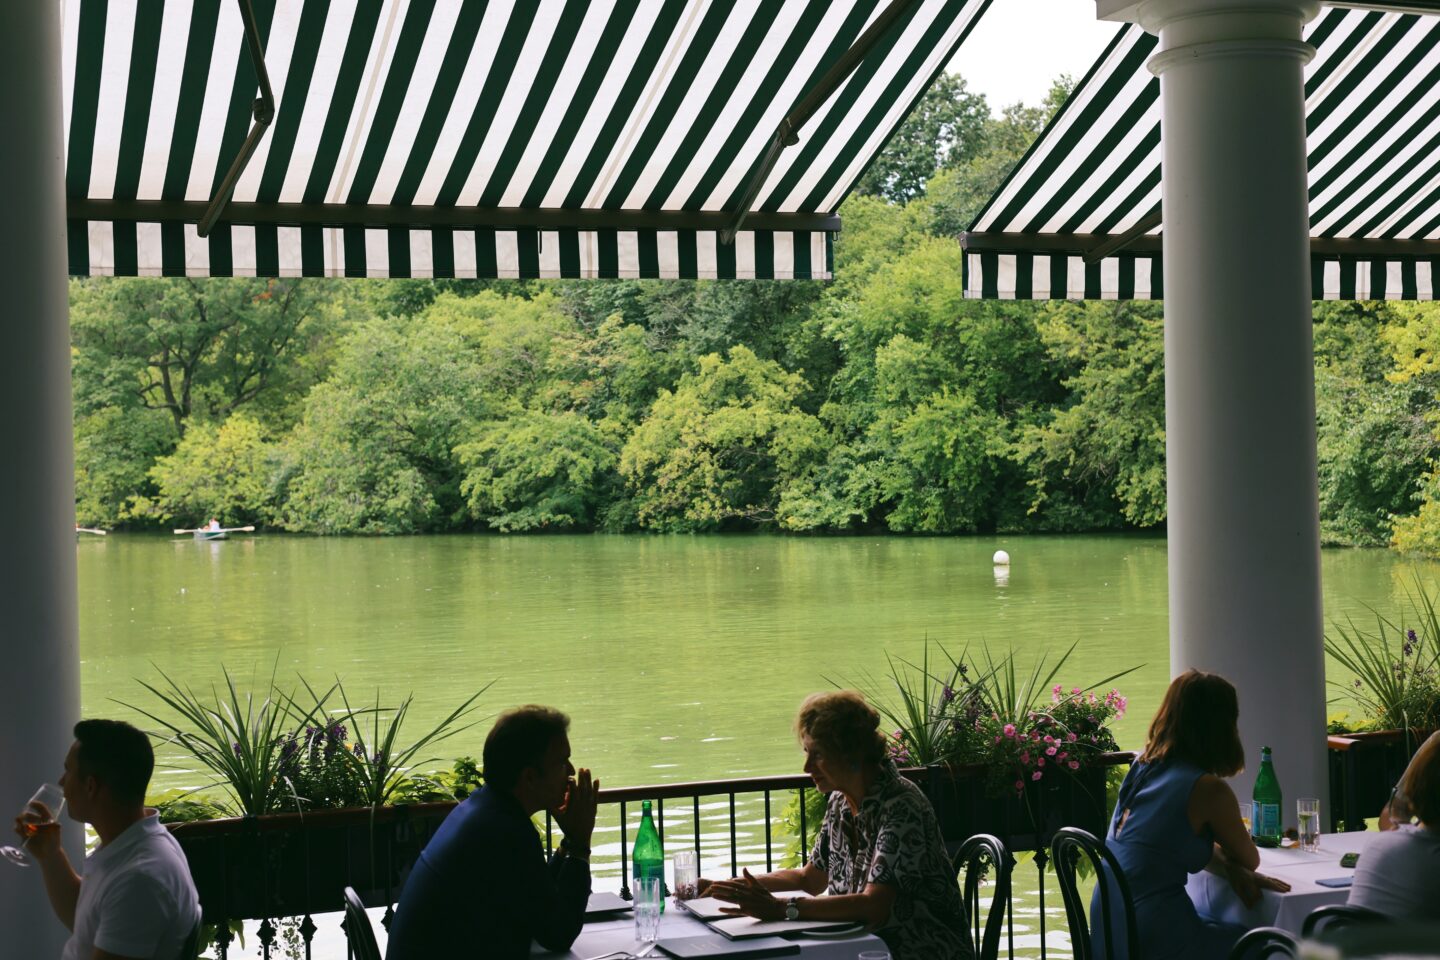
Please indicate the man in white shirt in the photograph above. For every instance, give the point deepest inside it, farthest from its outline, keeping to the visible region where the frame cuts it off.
(136, 900)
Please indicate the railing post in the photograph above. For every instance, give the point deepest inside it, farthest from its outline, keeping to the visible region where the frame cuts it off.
(223, 936)
(804, 844)
(307, 934)
(267, 937)
(624, 874)
(696, 810)
(769, 860)
(1041, 859)
(734, 847)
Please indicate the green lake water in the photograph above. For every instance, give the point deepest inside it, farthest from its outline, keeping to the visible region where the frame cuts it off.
(678, 658)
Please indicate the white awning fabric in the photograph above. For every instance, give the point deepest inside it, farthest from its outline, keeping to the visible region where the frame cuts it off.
(466, 138)
(1079, 217)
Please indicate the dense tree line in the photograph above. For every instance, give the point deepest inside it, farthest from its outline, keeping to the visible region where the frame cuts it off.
(880, 401)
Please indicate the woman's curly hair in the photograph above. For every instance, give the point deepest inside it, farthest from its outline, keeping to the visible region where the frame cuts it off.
(842, 725)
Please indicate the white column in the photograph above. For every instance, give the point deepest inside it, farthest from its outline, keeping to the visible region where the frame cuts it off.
(38, 639)
(1244, 540)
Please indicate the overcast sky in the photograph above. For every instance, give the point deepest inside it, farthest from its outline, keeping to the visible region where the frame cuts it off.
(1019, 46)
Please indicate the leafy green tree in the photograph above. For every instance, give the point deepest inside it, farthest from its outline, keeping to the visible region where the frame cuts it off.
(720, 449)
(1372, 405)
(946, 129)
(374, 451)
(114, 449)
(539, 471)
(226, 472)
(199, 347)
(1108, 440)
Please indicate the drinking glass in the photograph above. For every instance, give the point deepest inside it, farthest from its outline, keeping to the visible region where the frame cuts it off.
(687, 870)
(648, 892)
(873, 955)
(1245, 812)
(1308, 809)
(52, 799)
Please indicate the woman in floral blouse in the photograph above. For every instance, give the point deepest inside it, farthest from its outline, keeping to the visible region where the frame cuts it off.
(879, 852)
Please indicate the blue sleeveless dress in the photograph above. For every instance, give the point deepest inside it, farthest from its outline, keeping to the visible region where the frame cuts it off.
(1158, 849)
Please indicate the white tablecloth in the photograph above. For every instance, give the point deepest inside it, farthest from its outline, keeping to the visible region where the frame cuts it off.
(1215, 899)
(606, 935)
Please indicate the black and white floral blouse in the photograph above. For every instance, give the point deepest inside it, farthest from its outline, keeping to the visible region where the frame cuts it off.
(895, 840)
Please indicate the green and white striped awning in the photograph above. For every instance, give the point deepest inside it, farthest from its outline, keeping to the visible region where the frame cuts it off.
(466, 138)
(1080, 216)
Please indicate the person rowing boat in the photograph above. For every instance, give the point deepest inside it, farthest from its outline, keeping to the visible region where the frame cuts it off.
(213, 531)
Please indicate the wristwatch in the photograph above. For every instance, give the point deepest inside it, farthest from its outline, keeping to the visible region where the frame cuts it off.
(792, 908)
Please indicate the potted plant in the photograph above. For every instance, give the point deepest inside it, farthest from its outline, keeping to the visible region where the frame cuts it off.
(1009, 753)
(1394, 681)
(315, 795)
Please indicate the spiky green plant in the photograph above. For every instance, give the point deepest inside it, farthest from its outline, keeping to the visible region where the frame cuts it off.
(235, 737)
(382, 762)
(1396, 669)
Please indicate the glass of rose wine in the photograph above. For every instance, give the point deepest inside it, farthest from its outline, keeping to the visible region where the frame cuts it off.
(52, 799)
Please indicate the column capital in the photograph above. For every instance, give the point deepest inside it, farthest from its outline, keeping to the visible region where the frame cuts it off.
(1154, 15)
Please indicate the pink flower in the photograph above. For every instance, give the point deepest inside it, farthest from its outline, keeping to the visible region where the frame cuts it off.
(1075, 690)
(1025, 757)
(1036, 775)
(1056, 689)
(1019, 786)
(997, 738)
(1049, 739)
(1009, 729)
(1074, 764)
(1035, 735)
(1049, 751)
(1071, 736)
(1039, 761)
(1062, 756)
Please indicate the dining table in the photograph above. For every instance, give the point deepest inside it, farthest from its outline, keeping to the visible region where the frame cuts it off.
(1215, 899)
(614, 937)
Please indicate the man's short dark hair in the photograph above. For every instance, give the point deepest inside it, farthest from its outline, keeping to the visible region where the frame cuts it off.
(518, 740)
(116, 754)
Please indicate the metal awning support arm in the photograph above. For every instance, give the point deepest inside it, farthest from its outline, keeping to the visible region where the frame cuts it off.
(787, 133)
(264, 114)
(1120, 241)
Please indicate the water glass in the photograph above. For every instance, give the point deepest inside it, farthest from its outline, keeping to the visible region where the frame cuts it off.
(50, 796)
(1246, 809)
(686, 864)
(648, 892)
(1308, 809)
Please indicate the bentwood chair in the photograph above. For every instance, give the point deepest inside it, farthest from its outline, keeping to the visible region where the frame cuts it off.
(1337, 916)
(1066, 849)
(980, 855)
(357, 928)
(1266, 943)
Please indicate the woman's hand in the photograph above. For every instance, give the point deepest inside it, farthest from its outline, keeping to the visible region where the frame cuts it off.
(750, 898)
(1248, 884)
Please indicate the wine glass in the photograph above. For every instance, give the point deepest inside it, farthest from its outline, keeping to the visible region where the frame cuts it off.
(52, 799)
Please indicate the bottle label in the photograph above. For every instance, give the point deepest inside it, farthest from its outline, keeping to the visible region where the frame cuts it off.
(1267, 820)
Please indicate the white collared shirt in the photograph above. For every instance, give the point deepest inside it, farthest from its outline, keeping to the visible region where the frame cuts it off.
(136, 897)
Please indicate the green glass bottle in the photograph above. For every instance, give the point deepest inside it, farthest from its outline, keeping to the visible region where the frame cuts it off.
(1265, 818)
(649, 859)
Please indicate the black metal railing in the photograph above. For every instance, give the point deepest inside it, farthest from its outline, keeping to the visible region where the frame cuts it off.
(295, 865)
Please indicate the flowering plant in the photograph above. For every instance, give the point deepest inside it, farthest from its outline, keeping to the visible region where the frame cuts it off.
(988, 713)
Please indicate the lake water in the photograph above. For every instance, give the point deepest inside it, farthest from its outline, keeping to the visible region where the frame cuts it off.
(677, 657)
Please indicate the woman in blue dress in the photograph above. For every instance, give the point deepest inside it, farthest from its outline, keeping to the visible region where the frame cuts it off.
(1176, 816)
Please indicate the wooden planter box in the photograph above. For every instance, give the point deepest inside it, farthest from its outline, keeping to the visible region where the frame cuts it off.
(290, 864)
(1364, 768)
(964, 807)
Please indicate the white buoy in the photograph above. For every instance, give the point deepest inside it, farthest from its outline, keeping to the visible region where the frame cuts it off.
(1001, 559)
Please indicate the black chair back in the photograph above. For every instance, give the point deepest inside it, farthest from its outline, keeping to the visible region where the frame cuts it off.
(979, 855)
(1337, 916)
(1266, 943)
(1066, 849)
(357, 928)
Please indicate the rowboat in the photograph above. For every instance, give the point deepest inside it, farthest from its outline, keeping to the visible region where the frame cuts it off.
(211, 534)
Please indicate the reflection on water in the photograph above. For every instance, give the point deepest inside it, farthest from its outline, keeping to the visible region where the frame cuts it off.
(678, 658)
